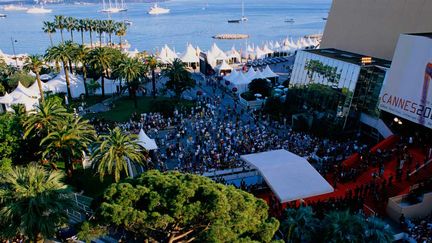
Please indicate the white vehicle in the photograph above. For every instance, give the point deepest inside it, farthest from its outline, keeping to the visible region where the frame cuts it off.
(38, 10)
(156, 10)
(12, 7)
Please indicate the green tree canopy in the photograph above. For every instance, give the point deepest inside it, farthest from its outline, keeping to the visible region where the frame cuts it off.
(179, 79)
(33, 202)
(260, 86)
(176, 207)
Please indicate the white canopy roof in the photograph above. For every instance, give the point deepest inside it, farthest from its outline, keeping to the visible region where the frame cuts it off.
(224, 66)
(20, 89)
(250, 74)
(167, 55)
(190, 56)
(259, 75)
(259, 53)
(35, 87)
(233, 53)
(267, 50)
(146, 142)
(290, 176)
(232, 76)
(268, 73)
(6, 99)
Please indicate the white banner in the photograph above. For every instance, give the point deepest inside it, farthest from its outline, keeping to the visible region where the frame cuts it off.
(407, 91)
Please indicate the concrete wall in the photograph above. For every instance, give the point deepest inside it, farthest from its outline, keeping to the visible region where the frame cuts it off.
(372, 27)
(419, 210)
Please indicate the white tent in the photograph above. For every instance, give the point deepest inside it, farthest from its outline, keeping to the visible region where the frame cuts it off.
(167, 55)
(259, 53)
(267, 50)
(58, 84)
(240, 82)
(233, 55)
(289, 176)
(268, 73)
(223, 68)
(250, 74)
(28, 102)
(133, 53)
(35, 87)
(6, 99)
(190, 56)
(20, 89)
(146, 142)
(232, 76)
(259, 75)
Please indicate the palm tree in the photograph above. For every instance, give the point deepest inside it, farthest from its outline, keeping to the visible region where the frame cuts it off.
(120, 32)
(378, 231)
(61, 53)
(110, 28)
(341, 226)
(130, 69)
(90, 26)
(71, 49)
(152, 64)
(35, 63)
(100, 29)
(68, 141)
(179, 79)
(299, 225)
(114, 152)
(33, 202)
(82, 26)
(70, 24)
(82, 56)
(46, 119)
(100, 59)
(59, 24)
(49, 28)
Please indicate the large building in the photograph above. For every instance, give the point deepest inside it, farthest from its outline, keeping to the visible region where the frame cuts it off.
(338, 85)
(372, 27)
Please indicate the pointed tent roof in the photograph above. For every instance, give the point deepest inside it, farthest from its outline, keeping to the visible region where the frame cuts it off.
(232, 76)
(35, 87)
(216, 51)
(259, 75)
(20, 89)
(250, 74)
(267, 50)
(250, 49)
(259, 53)
(28, 102)
(233, 53)
(268, 73)
(146, 142)
(276, 45)
(198, 50)
(224, 66)
(190, 56)
(6, 99)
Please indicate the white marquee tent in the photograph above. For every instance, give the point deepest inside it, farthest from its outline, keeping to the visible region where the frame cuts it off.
(289, 176)
(146, 142)
(268, 73)
(190, 56)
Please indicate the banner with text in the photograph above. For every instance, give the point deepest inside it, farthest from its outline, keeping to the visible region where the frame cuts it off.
(407, 90)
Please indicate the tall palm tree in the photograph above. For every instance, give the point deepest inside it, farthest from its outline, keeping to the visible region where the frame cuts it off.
(68, 141)
(377, 231)
(131, 69)
(341, 226)
(113, 153)
(71, 48)
(90, 26)
(35, 63)
(46, 119)
(82, 56)
(70, 24)
(100, 29)
(152, 64)
(33, 202)
(110, 28)
(59, 24)
(299, 225)
(49, 28)
(61, 53)
(100, 60)
(120, 32)
(82, 26)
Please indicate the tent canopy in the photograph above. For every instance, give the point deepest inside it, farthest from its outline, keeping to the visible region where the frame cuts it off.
(268, 73)
(146, 142)
(224, 66)
(289, 176)
(190, 56)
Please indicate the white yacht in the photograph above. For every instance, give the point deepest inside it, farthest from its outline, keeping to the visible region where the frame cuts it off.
(12, 7)
(116, 8)
(155, 10)
(38, 10)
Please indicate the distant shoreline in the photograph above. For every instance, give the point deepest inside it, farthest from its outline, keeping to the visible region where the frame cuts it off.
(31, 2)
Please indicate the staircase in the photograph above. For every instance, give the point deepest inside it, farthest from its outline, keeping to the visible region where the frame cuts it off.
(81, 208)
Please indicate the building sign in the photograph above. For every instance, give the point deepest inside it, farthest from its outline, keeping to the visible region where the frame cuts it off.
(407, 91)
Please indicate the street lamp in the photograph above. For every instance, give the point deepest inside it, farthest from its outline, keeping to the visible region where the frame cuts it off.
(13, 48)
(396, 119)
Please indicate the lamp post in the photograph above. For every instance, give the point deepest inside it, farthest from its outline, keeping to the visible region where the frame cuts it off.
(13, 49)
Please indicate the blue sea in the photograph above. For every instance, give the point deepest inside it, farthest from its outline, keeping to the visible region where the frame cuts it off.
(190, 21)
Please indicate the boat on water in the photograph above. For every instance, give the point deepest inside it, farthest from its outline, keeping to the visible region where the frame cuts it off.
(290, 20)
(324, 18)
(242, 19)
(127, 22)
(2, 16)
(13, 7)
(38, 10)
(156, 10)
(113, 8)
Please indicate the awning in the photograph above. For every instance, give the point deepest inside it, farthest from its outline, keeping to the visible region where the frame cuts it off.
(289, 176)
(146, 142)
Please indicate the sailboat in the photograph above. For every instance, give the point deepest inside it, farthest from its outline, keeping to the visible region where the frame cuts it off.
(113, 9)
(242, 19)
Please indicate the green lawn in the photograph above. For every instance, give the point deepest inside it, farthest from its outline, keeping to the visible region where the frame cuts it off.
(124, 107)
(89, 101)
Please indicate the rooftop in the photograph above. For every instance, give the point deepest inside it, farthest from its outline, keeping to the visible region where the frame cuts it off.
(348, 56)
(429, 34)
